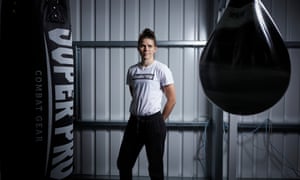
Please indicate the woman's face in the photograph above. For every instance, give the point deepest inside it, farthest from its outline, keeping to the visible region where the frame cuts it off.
(147, 49)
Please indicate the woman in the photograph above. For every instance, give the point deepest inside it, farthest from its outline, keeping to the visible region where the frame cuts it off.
(148, 81)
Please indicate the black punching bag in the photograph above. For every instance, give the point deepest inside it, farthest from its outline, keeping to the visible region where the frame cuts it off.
(37, 132)
(245, 67)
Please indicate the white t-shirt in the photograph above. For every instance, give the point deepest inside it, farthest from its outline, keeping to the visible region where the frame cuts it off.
(147, 83)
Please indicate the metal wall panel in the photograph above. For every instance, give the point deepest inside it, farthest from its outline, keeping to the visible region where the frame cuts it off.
(105, 97)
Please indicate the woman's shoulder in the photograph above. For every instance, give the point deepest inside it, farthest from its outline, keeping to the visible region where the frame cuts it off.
(133, 66)
(161, 65)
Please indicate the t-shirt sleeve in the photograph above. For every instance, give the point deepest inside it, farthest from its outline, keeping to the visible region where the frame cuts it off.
(167, 76)
(128, 78)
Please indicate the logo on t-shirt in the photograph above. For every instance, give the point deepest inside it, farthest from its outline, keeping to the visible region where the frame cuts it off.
(143, 76)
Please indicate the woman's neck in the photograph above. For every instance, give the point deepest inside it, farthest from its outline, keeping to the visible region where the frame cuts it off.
(146, 62)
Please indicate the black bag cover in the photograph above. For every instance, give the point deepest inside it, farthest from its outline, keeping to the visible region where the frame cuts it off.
(38, 85)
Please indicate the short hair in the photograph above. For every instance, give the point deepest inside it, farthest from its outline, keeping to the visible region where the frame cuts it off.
(147, 33)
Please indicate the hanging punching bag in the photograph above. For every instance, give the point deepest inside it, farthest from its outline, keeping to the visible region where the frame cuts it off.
(245, 66)
(56, 68)
(37, 136)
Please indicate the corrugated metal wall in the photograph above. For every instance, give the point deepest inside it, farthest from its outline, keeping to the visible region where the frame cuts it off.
(105, 97)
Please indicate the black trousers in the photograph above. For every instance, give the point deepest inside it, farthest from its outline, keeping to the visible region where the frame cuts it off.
(143, 130)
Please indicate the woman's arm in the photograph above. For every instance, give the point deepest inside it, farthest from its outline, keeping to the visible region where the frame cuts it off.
(170, 93)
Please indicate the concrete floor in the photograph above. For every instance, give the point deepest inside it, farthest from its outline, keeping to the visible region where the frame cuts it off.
(82, 177)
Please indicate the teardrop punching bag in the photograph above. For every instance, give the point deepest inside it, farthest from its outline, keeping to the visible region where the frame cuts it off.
(245, 66)
(37, 39)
